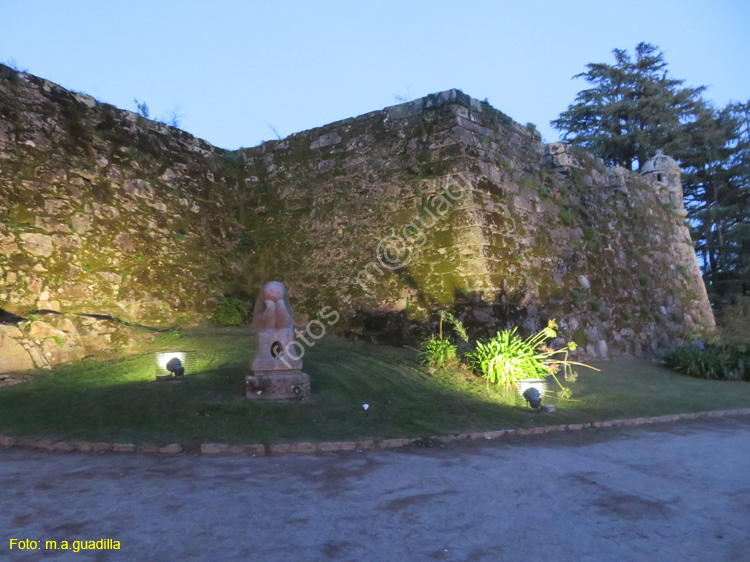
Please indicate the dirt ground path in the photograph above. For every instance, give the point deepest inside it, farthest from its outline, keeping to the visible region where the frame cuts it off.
(672, 492)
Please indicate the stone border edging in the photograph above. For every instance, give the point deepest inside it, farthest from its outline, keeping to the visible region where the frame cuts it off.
(308, 448)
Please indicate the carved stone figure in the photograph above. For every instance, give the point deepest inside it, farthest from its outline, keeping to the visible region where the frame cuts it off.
(277, 366)
(272, 309)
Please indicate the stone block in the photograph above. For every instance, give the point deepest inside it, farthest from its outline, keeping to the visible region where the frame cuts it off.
(602, 350)
(214, 448)
(37, 357)
(304, 448)
(171, 449)
(40, 330)
(394, 443)
(13, 356)
(123, 447)
(37, 244)
(48, 305)
(494, 434)
(81, 223)
(43, 444)
(329, 446)
(328, 139)
(279, 448)
(255, 450)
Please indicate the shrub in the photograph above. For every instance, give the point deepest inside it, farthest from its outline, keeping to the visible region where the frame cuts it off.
(722, 362)
(143, 109)
(734, 321)
(231, 311)
(437, 353)
(591, 238)
(578, 294)
(566, 217)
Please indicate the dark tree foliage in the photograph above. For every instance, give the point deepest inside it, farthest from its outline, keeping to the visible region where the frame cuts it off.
(633, 108)
(715, 158)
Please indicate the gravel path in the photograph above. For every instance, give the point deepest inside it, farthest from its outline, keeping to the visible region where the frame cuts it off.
(670, 492)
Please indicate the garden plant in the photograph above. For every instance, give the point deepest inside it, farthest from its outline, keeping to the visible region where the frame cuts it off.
(508, 358)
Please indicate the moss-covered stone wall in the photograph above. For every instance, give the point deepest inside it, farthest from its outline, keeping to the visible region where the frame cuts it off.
(382, 219)
(102, 211)
(539, 232)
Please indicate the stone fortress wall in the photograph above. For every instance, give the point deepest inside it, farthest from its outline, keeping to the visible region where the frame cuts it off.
(383, 218)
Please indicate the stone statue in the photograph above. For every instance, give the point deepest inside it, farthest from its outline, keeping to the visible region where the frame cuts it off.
(277, 366)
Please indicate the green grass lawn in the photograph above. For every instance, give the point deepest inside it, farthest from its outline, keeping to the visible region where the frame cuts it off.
(120, 401)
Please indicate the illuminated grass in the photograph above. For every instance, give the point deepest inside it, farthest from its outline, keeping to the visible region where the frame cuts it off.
(119, 400)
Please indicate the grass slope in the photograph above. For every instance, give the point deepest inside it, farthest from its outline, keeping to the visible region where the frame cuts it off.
(120, 401)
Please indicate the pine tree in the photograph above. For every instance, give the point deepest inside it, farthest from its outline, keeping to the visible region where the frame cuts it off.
(712, 197)
(633, 108)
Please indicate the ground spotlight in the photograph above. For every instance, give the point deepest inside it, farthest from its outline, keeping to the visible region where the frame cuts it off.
(172, 364)
(533, 397)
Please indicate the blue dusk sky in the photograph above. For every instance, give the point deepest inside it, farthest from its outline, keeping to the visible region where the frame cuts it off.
(237, 70)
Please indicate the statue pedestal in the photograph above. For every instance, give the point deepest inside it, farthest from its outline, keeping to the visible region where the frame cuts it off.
(277, 386)
(277, 371)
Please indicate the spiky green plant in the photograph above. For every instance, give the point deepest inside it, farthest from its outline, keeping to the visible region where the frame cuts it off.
(437, 353)
(727, 362)
(508, 358)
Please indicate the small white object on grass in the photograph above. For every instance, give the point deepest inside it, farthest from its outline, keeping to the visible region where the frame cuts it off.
(365, 406)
